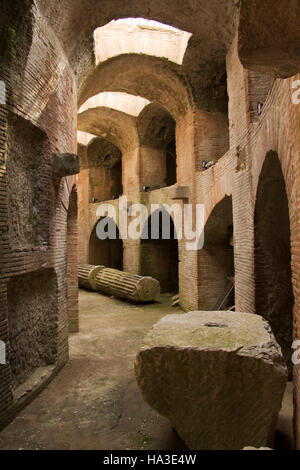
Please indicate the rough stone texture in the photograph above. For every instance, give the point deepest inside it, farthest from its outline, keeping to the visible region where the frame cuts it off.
(218, 376)
(65, 164)
(32, 313)
(269, 36)
(29, 192)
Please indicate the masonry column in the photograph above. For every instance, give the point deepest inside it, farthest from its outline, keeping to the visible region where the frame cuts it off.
(200, 136)
(131, 180)
(83, 207)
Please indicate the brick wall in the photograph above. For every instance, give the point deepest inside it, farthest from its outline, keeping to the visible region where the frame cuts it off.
(40, 119)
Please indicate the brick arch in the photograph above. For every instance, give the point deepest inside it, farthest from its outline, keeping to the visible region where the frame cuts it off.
(156, 79)
(205, 51)
(274, 298)
(216, 259)
(107, 252)
(159, 257)
(118, 127)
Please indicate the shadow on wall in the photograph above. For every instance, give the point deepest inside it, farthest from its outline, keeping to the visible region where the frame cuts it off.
(273, 287)
(159, 257)
(105, 170)
(216, 259)
(107, 252)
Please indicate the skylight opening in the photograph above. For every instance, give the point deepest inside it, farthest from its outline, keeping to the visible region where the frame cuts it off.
(140, 36)
(84, 138)
(152, 24)
(124, 102)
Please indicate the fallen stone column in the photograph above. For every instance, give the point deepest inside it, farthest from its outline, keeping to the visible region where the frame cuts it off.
(219, 377)
(87, 275)
(127, 286)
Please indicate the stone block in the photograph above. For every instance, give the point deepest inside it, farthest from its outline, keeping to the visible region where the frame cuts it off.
(65, 164)
(219, 377)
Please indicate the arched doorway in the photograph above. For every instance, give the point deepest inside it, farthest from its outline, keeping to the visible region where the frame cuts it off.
(274, 298)
(159, 255)
(108, 252)
(216, 260)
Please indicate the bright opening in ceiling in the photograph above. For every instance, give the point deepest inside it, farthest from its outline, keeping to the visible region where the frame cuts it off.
(140, 36)
(84, 138)
(124, 102)
(152, 24)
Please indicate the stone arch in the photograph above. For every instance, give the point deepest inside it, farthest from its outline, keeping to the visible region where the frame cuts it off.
(72, 262)
(153, 78)
(216, 259)
(274, 298)
(205, 52)
(159, 256)
(115, 126)
(109, 252)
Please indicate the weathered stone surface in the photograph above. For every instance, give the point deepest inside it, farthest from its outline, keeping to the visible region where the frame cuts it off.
(65, 164)
(269, 36)
(219, 377)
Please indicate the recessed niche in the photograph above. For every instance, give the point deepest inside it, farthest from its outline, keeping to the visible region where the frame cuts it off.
(28, 183)
(32, 320)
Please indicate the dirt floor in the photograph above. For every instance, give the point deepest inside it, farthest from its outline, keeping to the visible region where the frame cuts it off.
(94, 402)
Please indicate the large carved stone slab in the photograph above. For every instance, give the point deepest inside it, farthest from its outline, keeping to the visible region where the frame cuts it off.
(219, 377)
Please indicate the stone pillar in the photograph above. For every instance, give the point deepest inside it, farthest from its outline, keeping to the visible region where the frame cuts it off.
(83, 208)
(245, 90)
(142, 166)
(200, 136)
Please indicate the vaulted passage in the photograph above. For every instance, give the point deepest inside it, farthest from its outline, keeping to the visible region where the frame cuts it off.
(216, 261)
(274, 298)
(124, 118)
(107, 252)
(159, 251)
